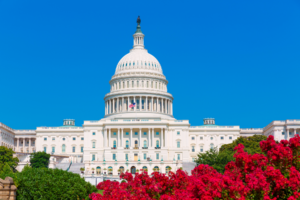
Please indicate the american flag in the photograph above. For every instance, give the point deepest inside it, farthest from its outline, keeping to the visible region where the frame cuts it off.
(132, 105)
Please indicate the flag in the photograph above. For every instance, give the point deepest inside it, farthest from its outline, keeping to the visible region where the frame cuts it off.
(132, 105)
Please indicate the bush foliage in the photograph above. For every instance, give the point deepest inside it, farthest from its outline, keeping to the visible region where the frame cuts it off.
(39, 159)
(43, 183)
(6, 157)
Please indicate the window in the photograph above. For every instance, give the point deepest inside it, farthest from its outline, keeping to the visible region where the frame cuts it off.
(53, 138)
(127, 144)
(73, 149)
(93, 157)
(211, 146)
(157, 143)
(63, 148)
(211, 138)
(193, 148)
(114, 156)
(45, 149)
(45, 139)
(178, 132)
(127, 133)
(230, 137)
(94, 145)
(115, 143)
(145, 143)
(64, 139)
(135, 133)
(126, 156)
(74, 138)
(53, 149)
(283, 133)
(178, 156)
(82, 138)
(193, 138)
(157, 133)
(157, 156)
(94, 133)
(145, 156)
(145, 133)
(201, 148)
(222, 138)
(193, 159)
(178, 144)
(201, 138)
(137, 104)
(143, 103)
(115, 133)
(81, 149)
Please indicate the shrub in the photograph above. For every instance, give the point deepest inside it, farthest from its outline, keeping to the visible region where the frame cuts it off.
(273, 175)
(6, 156)
(43, 183)
(39, 159)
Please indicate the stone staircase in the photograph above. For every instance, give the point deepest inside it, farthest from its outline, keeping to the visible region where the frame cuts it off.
(188, 166)
(63, 166)
(75, 168)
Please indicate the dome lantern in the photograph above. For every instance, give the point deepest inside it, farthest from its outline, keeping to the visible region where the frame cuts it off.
(138, 37)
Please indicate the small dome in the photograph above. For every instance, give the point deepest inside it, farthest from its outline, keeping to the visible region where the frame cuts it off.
(138, 59)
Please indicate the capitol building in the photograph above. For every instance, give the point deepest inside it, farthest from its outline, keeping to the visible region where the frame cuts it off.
(138, 130)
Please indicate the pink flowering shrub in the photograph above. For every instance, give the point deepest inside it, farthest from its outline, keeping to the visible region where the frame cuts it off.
(273, 175)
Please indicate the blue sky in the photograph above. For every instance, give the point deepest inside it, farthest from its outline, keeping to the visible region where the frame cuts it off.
(237, 61)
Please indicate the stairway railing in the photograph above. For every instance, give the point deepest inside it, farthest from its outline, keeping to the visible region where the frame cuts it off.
(69, 166)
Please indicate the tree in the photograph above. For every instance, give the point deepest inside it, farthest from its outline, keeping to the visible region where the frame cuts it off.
(39, 159)
(219, 159)
(6, 156)
(214, 159)
(44, 183)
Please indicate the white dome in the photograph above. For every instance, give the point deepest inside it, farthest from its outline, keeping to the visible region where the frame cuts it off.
(138, 59)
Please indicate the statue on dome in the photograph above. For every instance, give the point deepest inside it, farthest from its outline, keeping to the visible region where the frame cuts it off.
(138, 21)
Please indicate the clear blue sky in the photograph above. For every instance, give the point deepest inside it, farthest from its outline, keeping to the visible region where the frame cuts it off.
(237, 61)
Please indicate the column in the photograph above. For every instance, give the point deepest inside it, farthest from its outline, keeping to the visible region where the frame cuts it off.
(23, 145)
(113, 106)
(161, 138)
(118, 105)
(110, 108)
(128, 103)
(295, 132)
(166, 137)
(171, 108)
(18, 143)
(162, 106)
(105, 137)
(153, 142)
(135, 103)
(109, 137)
(118, 138)
(140, 138)
(149, 132)
(29, 147)
(140, 103)
(131, 138)
(288, 135)
(123, 104)
(151, 104)
(122, 137)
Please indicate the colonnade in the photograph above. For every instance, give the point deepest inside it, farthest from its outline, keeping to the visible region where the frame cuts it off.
(142, 103)
(25, 148)
(290, 131)
(122, 137)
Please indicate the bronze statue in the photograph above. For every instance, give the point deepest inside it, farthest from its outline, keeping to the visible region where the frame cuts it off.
(138, 21)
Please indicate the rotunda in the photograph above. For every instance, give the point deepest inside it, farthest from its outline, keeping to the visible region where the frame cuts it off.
(138, 89)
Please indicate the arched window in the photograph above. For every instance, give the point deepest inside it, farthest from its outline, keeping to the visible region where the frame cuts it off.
(211, 146)
(115, 143)
(168, 168)
(211, 138)
(98, 170)
(178, 144)
(156, 169)
(110, 170)
(121, 169)
(127, 144)
(145, 143)
(136, 143)
(157, 143)
(63, 148)
(145, 168)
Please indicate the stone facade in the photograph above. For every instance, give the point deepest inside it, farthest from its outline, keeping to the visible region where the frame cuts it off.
(7, 189)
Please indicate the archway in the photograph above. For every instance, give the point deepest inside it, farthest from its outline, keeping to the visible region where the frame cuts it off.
(168, 168)
(121, 169)
(145, 168)
(98, 170)
(110, 170)
(133, 169)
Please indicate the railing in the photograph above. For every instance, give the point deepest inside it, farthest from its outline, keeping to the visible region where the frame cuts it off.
(157, 147)
(114, 120)
(114, 148)
(178, 120)
(135, 148)
(214, 126)
(126, 147)
(61, 127)
(251, 129)
(69, 166)
(144, 147)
